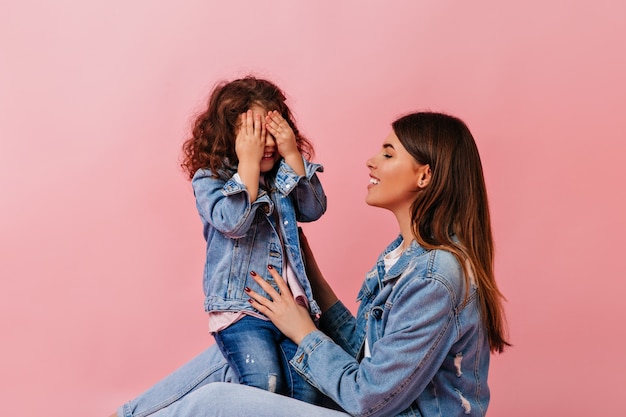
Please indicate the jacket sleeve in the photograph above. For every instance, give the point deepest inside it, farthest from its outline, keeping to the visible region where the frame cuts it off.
(418, 333)
(340, 325)
(307, 192)
(225, 205)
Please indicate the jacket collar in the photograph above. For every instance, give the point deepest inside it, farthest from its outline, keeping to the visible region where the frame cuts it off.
(414, 250)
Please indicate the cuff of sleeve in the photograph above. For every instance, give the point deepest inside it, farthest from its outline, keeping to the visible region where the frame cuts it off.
(306, 348)
(287, 179)
(335, 317)
(233, 186)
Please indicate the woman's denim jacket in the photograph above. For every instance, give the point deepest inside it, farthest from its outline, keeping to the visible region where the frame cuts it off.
(429, 349)
(243, 236)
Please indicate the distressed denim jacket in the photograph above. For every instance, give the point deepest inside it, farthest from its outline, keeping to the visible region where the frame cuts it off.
(429, 349)
(242, 236)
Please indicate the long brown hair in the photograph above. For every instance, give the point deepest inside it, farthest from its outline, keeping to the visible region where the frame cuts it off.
(452, 211)
(212, 143)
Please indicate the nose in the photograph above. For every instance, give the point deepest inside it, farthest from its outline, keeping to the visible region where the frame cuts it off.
(370, 163)
(269, 140)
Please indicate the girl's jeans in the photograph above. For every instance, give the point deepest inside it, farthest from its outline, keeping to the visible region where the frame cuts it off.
(259, 354)
(195, 390)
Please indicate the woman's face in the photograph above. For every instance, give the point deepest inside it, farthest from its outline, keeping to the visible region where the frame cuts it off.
(394, 177)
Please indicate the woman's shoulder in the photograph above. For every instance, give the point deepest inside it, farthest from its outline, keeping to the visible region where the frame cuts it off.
(440, 266)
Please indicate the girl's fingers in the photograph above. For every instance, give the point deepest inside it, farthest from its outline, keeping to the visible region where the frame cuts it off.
(274, 119)
(263, 130)
(256, 124)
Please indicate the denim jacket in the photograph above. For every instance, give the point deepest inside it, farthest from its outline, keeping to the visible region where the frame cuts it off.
(429, 349)
(242, 236)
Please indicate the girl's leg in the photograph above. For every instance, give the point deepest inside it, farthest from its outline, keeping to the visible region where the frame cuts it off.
(209, 366)
(251, 346)
(228, 400)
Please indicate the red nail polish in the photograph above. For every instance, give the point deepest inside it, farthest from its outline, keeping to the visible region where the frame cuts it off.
(253, 273)
(250, 300)
(246, 289)
(270, 267)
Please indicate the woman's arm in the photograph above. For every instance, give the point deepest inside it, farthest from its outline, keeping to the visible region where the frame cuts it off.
(408, 343)
(322, 291)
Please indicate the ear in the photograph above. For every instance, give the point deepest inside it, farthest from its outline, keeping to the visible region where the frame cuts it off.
(424, 175)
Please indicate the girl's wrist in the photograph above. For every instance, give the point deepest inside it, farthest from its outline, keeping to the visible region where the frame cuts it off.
(295, 162)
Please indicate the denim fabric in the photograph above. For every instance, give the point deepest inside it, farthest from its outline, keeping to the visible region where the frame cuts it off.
(259, 354)
(206, 368)
(233, 400)
(207, 386)
(243, 236)
(429, 349)
(429, 354)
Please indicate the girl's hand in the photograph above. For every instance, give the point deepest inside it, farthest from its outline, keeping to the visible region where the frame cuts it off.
(282, 133)
(285, 141)
(291, 318)
(249, 147)
(250, 139)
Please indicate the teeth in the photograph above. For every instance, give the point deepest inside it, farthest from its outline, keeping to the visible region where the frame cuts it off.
(373, 181)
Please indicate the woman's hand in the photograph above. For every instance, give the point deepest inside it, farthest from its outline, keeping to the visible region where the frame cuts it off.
(285, 141)
(291, 318)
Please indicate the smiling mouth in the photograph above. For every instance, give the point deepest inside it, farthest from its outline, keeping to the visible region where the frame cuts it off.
(374, 181)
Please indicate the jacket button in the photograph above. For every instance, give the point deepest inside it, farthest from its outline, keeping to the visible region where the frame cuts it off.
(266, 209)
(300, 358)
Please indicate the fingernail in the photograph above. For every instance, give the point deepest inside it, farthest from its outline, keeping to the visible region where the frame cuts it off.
(250, 300)
(246, 289)
(269, 267)
(253, 273)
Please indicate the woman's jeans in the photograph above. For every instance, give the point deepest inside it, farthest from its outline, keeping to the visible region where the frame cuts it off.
(259, 354)
(195, 390)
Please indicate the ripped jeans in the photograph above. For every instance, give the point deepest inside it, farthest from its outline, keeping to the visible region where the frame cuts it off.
(259, 355)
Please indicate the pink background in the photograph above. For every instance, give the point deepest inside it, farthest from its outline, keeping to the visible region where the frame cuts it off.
(101, 249)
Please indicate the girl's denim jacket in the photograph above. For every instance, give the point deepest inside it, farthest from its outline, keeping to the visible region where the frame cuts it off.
(429, 349)
(242, 236)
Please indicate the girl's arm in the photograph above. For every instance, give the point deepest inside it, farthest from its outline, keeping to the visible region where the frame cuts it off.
(306, 191)
(225, 205)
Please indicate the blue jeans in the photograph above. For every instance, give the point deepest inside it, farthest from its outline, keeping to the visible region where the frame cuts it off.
(197, 390)
(259, 354)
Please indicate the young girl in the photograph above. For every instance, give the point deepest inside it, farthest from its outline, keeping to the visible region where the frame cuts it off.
(248, 165)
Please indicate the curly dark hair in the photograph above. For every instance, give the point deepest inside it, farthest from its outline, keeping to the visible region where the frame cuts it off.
(212, 144)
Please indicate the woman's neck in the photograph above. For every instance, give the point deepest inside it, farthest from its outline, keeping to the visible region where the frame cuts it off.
(406, 229)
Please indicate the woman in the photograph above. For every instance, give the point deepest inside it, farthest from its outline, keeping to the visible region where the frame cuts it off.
(430, 312)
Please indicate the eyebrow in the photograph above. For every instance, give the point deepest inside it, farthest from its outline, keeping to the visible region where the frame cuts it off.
(388, 145)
